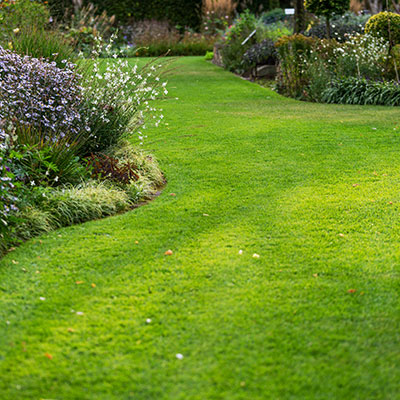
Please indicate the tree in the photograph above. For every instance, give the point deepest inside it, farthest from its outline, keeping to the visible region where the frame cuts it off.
(327, 8)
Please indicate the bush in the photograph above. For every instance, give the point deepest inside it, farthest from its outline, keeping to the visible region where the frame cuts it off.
(117, 100)
(342, 27)
(294, 54)
(363, 92)
(38, 94)
(275, 15)
(233, 50)
(260, 54)
(273, 31)
(19, 15)
(327, 9)
(378, 25)
(46, 162)
(85, 26)
(361, 56)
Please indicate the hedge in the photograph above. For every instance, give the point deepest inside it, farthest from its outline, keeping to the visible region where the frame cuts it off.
(178, 12)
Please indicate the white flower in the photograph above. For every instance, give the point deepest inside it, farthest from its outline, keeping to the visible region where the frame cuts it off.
(148, 320)
(179, 356)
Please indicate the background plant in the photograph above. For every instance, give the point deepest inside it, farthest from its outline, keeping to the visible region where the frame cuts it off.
(327, 9)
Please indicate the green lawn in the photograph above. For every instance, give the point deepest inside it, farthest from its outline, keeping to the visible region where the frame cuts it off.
(313, 189)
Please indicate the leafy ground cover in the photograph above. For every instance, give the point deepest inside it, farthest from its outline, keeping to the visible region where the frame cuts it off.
(97, 311)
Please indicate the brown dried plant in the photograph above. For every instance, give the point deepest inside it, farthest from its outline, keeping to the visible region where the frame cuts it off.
(219, 7)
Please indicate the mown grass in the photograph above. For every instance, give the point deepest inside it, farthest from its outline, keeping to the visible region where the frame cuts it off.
(313, 189)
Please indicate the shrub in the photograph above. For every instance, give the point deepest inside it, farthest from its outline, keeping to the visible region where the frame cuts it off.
(147, 165)
(155, 38)
(294, 54)
(273, 31)
(361, 56)
(21, 14)
(327, 8)
(46, 162)
(260, 54)
(70, 205)
(38, 94)
(103, 167)
(118, 99)
(275, 15)
(362, 91)
(385, 25)
(233, 48)
(86, 25)
(342, 27)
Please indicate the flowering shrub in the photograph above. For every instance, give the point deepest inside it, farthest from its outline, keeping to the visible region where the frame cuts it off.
(8, 186)
(118, 98)
(362, 56)
(36, 93)
(294, 53)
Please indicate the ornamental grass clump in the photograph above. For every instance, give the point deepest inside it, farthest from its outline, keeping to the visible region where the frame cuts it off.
(118, 98)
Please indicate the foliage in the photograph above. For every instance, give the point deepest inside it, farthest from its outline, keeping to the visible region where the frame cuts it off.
(146, 164)
(20, 15)
(362, 91)
(39, 43)
(260, 54)
(342, 27)
(260, 6)
(305, 72)
(36, 93)
(233, 49)
(118, 98)
(44, 162)
(70, 205)
(327, 8)
(275, 15)
(209, 55)
(178, 12)
(103, 167)
(293, 52)
(362, 56)
(85, 26)
(217, 15)
(273, 31)
(155, 38)
(385, 25)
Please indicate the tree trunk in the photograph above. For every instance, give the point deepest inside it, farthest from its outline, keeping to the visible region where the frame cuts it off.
(328, 28)
(299, 17)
